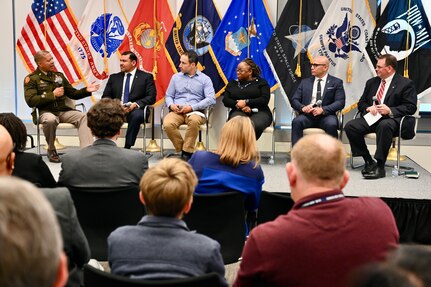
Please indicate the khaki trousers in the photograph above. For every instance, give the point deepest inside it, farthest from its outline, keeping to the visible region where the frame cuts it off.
(171, 123)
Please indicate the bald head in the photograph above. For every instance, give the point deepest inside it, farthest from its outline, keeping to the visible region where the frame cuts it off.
(7, 157)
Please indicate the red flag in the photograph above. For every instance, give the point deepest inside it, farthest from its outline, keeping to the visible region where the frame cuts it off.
(146, 36)
(49, 26)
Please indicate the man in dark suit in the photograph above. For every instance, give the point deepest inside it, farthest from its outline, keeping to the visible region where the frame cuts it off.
(391, 96)
(135, 89)
(317, 99)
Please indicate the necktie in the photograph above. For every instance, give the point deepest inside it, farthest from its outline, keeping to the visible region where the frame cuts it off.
(319, 91)
(127, 89)
(381, 91)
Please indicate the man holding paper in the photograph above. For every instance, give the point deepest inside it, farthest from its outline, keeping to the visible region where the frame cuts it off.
(385, 100)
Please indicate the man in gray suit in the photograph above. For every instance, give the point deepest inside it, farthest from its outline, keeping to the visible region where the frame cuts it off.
(103, 165)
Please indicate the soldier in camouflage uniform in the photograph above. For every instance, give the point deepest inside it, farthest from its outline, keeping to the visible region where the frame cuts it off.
(50, 92)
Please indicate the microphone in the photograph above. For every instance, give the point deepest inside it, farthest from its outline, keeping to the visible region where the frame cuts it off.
(58, 81)
(375, 101)
(255, 110)
(317, 104)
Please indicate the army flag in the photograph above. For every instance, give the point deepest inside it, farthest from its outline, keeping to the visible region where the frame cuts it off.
(194, 29)
(342, 37)
(96, 41)
(244, 32)
(405, 32)
(146, 37)
(287, 50)
(49, 26)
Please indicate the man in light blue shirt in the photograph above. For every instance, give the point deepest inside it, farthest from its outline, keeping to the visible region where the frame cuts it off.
(189, 93)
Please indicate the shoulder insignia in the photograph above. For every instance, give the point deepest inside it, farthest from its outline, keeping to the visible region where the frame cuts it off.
(27, 80)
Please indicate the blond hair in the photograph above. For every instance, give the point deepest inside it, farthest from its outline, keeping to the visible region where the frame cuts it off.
(168, 187)
(237, 143)
(319, 157)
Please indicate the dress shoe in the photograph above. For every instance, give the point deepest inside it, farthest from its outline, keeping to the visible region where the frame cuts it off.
(368, 167)
(375, 173)
(186, 155)
(53, 156)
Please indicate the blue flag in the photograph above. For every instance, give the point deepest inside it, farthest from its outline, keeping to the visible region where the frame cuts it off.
(244, 32)
(193, 30)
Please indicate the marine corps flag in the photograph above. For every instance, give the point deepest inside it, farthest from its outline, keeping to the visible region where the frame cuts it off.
(287, 50)
(342, 37)
(244, 32)
(194, 29)
(146, 37)
(404, 31)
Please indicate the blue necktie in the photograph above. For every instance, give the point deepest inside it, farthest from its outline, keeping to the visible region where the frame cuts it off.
(127, 89)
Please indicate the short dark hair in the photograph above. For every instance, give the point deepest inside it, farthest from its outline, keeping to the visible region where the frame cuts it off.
(255, 70)
(390, 60)
(16, 129)
(131, 55)
(193, 57)
(106, 117)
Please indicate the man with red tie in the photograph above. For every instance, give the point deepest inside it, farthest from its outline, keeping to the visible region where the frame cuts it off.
(391, 96)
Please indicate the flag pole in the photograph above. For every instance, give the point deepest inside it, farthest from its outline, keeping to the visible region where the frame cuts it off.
(298, 46)
(248, 27)
(349, 65)
(44, 24)
(406, 60)
(105, 56)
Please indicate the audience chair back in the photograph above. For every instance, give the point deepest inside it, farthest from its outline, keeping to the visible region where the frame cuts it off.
(273, 204)
(221, 217)
(96, 278)
(101, 211)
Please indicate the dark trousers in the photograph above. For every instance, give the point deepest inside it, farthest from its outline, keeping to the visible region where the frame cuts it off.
(261, 120)
(134, 120)
(385, 129)
(327, 123)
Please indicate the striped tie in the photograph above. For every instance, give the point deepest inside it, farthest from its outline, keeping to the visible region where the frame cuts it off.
(381, 91)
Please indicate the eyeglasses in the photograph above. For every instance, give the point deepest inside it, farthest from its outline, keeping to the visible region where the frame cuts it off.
(242, 71)
(314, 65)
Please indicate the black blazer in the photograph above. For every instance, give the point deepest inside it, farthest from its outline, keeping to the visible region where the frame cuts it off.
(31, 167)
(142, 92)
(401, 98)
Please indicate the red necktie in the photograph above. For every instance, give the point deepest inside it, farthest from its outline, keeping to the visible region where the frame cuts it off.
(381, 91)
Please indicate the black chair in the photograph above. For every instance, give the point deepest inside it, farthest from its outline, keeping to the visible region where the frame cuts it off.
(273, 204)
(101, 211)
(221, 217)
(96, 278)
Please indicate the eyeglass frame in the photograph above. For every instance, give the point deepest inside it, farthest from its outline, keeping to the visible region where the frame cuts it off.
(315, 65)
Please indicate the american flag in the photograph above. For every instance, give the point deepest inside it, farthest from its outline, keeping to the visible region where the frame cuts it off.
(49, 26)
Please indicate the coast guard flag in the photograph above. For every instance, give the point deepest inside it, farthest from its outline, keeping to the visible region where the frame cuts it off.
(146, 38)
(342, 37)
(244, 32)
(406, 35)
(287, 50)
(49, 26)
(95, 44)
(194, 29)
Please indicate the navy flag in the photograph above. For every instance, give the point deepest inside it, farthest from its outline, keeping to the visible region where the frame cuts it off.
(406, 34)
(287, 50)
(194, 29)
(243, 33)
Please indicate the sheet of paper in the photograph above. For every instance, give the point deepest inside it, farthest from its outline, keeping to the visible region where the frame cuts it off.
(370, 119)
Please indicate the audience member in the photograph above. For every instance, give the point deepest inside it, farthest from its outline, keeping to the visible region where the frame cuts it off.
(103, 164)
(31, 247)
(136, 90)
(234, 165)
(325, 235)
(7, 154)
(317, 99)
(249, 96)
(28, 166)
(189, 93)
(387, 98)
(50, 92)
(161, 246)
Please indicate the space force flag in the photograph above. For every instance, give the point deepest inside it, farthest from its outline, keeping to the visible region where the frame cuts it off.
(342, 37)
(194, 29)
(287, 50)
(244, 32)
(405, 32)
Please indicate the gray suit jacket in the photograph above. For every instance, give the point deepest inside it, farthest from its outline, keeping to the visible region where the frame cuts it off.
(102, 165)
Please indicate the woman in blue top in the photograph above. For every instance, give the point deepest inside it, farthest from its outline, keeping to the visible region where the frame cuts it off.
(234, 166)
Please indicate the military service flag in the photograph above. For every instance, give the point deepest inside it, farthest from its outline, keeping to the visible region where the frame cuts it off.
(194, 29)
(244, 32)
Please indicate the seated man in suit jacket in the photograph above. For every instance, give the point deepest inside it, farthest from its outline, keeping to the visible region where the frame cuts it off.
(135, 89)
(392, 96)
(317, 99)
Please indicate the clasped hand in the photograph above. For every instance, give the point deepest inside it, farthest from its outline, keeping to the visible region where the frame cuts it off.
(382, 109)
(315, 111)
(178, 109)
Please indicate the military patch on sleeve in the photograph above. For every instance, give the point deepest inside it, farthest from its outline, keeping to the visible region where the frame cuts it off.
(27, 80)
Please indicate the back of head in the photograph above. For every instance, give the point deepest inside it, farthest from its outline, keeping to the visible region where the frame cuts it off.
(168, 187)
(237, 143)
(105, 118)
(16, 129)
(7, 156)
(320, 158)
(30, 239)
